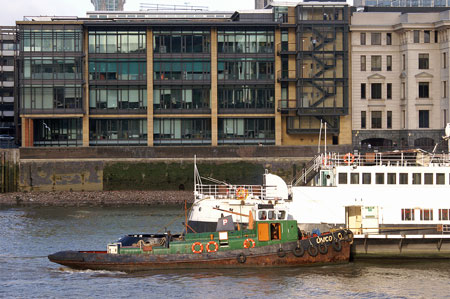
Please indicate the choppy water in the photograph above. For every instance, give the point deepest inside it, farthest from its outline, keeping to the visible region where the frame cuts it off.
(28, 235)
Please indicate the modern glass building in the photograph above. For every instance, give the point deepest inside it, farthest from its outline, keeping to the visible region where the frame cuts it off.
(186, 78)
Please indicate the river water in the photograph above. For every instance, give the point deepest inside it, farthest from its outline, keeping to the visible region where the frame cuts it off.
(28, 235)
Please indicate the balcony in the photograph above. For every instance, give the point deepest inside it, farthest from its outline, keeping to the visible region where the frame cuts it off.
(286, 49)
(287, 76)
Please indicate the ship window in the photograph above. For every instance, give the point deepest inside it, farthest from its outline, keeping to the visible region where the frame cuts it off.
(281, 215)
(392, 178)
(440, 178)
(428, 179)
(275, 231)
(262, 215)
(354, 178)
(426, 214)
(379, 178)
(367, 178)
(343, 178)
(443, 214)
(403, 178)
(417, 178)
(408, 214)
(271, 215)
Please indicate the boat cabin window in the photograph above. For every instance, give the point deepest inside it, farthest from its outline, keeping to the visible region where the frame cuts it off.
(443, 214)
(440, 178)
(262, 215)
(417, 178)
(408, 214)
(403, 178)
(343, 178)
(271, 215)
(428, 179)
(275, 231)
(426, 214)
(367, 178)
(281, 215)
(379, 178)
(392, 178)
(354, 178)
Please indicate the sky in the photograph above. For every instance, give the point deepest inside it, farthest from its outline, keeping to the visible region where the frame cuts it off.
(15, 10)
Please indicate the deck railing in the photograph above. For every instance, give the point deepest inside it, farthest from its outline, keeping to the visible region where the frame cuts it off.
(404, 158)
(232, 191)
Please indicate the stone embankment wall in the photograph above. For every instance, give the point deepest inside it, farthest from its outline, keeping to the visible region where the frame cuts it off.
(157, 168)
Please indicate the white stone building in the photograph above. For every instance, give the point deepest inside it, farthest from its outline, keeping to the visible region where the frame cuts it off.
(400, 76)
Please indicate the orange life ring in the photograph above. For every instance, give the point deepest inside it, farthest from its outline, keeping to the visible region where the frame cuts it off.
(241, 193)
(216, 247)
(249, 243)
(326, 161)
(195, 244)
(349, 158)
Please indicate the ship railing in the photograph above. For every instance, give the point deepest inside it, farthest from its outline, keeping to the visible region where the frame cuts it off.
(407, 158)
(311, 168)
(231, 191)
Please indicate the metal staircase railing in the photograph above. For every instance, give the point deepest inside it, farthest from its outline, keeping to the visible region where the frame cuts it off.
(309, 171)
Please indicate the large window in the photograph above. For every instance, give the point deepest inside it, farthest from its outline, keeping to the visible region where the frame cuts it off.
(424, 61)
(363, 120)
(416, 36)
(49, 38)
(363, 90)
(426, 214)
(246, 69)
(376, 91)
(246, 97)
(389, 63)
(117, 41)
(118, 132)
(57, 132)
(363, 63)
(182, 69)
(166, 98)
(376, 119)
(424, 119)
(251, 41)
(408, 214)
(52, 68)
(375, 38)
(247, 130)
(376, 63)
(167, 131)
(117, 69)
(362, 38)
(117, 97)
(424, 89)
(181, 41)
(50, 97)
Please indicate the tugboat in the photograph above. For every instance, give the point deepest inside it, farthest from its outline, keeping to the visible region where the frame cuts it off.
(269, 240)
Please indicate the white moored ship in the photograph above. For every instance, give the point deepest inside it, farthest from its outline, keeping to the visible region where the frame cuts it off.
(394, 202)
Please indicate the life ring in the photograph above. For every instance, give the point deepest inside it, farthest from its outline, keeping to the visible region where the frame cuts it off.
(349, 158)
(326, 161)
(249, 243)
(313, 251)
(323, 248)
(298, 251)
(197, 244)
(216, 247)
(337, 245)
(241, 193)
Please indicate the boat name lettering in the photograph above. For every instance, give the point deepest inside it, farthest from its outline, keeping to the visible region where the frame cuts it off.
(324, 239)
